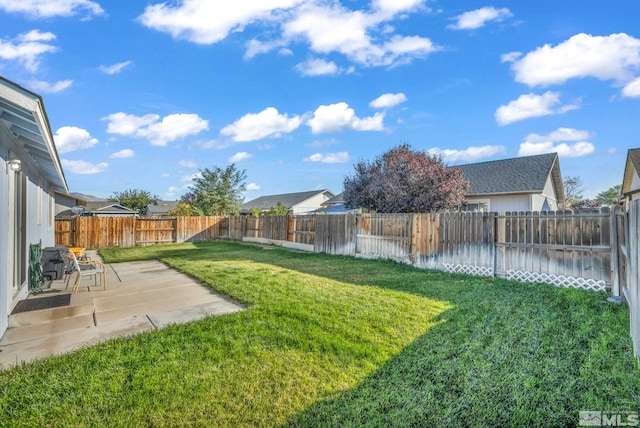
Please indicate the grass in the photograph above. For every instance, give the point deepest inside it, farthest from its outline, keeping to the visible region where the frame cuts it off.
(336, 341)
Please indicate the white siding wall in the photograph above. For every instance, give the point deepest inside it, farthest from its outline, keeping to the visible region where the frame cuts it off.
(510, 203)
(38, 228)
(549, 193)
(5, 298)
(635, 185)
(310, 204)
(64, 202)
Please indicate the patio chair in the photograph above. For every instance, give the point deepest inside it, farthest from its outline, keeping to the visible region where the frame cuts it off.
(88, 268)
(67, 266)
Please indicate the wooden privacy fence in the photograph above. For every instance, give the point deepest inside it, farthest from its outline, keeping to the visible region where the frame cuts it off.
(101, 232)
(572, 250)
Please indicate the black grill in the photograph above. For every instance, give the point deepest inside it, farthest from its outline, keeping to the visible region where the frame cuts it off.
(52, 263)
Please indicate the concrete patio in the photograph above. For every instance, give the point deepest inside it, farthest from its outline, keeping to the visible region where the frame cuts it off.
(140, 296)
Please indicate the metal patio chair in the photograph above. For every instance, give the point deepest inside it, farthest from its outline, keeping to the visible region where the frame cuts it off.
(88, 268)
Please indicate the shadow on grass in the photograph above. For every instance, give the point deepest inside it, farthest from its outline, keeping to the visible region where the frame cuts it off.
(506, 353)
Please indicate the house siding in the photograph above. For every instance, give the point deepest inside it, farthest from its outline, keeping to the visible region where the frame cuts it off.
(5, 272)
(548, 194)
(64, 203)
(311, 204)
(503, 203)
(635, 186)
(38, 227)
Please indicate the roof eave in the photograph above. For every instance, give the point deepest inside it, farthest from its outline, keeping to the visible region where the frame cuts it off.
(31, 103)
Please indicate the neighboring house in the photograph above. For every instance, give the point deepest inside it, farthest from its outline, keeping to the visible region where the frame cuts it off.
(529, 183)
(30, 174)
(113, 210)
(64, 203)
(335, 205)
(160, 208)
(631, 179)
(297, 203)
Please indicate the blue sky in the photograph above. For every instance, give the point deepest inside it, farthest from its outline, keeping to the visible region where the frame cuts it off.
(143, 94)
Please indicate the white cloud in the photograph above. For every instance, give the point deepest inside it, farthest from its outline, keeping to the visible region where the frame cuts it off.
(115, 68)
(50, 88)
(70, 138)
(510, 57)
(363, 36)
(329, 28)
(318, 67)
(632, 89)
(338, 117)
(123, 154)
(536, 144)
(188, 164)
(339, 157)
(388, 100)
(258, 47)
(253, 186)
(157, 132)
(83, 167)
(240, 156)
(531, 105)
(469, 154)
(51, 8)
(478, 18)
(392, 7)
(27, 49)
(207, 22)
(256, 126)
(614, 57)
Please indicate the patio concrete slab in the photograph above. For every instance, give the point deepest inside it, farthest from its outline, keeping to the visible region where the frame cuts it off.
(140, 296)
(191, 313)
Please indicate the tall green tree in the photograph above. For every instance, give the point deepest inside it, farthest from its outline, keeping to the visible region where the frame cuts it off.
(279, 209)
(402, 180)
(217, 191)
(611, 196)
(135, 199)
(572, 191)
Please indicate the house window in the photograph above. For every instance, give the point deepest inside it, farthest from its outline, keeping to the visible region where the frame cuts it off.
(39, 202)
(19, 233)
(51, 210)
(479, 205)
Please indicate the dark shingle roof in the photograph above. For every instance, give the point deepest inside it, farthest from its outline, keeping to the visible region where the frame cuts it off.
(634, 155)
(337, 199)
(161, 208)
(113, 209)
(287, 199)
(518, 175)
(87, 198)
(632, 167)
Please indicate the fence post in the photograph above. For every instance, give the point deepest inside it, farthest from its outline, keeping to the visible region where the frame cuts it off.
(291, 228)
(615, 262)
(495, 244)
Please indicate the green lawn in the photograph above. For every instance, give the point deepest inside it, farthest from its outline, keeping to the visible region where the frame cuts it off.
(336, 341)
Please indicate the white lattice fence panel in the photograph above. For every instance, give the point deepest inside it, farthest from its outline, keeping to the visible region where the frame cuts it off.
(468, 269)
(558, 280)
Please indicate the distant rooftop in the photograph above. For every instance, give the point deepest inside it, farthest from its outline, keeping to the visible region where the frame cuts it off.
(527, 174)
(289, 200)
